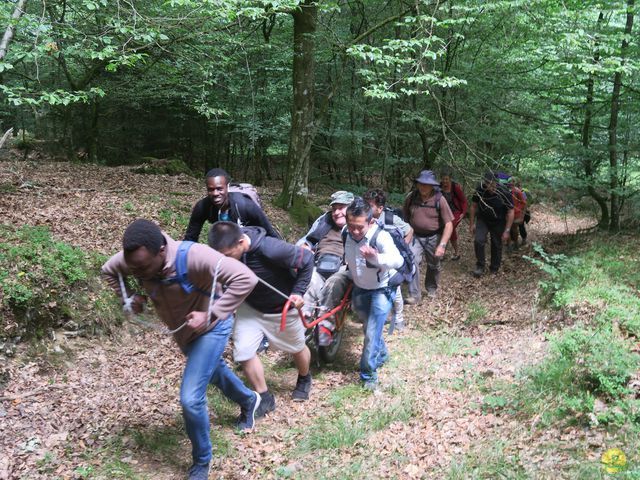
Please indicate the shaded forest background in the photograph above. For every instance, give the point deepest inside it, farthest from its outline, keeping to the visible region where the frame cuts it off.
(341, 92)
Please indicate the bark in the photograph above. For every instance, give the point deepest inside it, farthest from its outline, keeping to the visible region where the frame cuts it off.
(302, 112)
(9, 32)
(614, 179)
(588, 161)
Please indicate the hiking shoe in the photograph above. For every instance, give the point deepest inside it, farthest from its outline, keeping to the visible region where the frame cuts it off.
(325, 333)
(303, 387)
(410, 301)
(247, 419)
(199, 472)
(455, 258)
(478, 272)
(264, 345)
(267, 404)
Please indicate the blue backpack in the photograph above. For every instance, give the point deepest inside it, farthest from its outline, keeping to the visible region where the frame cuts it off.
(182, 276)
(408, 269)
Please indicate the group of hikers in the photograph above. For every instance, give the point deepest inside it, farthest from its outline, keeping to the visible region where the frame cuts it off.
(237, 285)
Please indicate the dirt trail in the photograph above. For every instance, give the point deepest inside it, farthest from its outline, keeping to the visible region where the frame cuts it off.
(109, 408)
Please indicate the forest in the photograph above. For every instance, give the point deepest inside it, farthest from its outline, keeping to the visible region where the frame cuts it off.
(113, 110)
(306, 92)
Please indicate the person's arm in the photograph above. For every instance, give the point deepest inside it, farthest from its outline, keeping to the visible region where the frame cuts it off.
(464, 204)
(507, 227)
(197, 219)
(446, 234)
(109, 272)
(447, 218)
(305, 241)
(472, 217)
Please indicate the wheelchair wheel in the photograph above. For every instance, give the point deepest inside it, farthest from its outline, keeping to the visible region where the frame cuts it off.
(328, 354)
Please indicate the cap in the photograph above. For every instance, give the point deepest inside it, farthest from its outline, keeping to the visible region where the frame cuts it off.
(341, 196)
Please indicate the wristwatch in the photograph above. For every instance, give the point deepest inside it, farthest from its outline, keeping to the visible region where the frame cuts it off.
(443, 245)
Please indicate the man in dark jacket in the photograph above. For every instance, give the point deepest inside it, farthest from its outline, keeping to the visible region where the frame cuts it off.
(288, 269)
(493, 204)
(222, 205)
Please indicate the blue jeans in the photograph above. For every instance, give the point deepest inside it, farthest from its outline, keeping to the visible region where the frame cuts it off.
(205, 365)
(372, 306)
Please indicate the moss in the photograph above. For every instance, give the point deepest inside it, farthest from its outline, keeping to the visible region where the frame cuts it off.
(301, 211)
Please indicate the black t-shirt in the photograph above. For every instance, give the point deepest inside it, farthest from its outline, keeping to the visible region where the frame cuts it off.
(493, 207)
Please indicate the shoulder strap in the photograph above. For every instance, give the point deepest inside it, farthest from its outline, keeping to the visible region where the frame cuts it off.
(388, 217)
(182, 274)
(374, 240)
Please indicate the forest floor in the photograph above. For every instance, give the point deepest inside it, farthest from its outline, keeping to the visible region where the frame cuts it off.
(109, 408)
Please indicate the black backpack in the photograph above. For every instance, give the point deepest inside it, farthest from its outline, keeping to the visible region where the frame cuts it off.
(408, 269)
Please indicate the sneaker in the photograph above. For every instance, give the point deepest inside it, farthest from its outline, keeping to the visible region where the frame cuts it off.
(410, 301)
(325, 333)
(478, 272)
(267, 404)
(303, 387)
(247, 419)
(199, 472)
(264, 345)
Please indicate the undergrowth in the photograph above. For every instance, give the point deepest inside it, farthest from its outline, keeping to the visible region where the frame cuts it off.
(586, 377)
(47, 284)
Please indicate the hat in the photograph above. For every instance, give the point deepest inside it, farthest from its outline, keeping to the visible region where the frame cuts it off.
(342, 197)
(427, 177)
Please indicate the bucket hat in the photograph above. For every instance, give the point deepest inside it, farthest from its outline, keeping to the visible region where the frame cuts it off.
(427, 177)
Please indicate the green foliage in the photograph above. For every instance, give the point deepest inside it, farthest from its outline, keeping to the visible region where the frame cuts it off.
(604, 276)
(593, 360)
(46, 283)
(583, 360)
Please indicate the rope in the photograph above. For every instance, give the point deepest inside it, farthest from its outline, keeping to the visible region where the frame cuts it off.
(285, 296)
(127, 304)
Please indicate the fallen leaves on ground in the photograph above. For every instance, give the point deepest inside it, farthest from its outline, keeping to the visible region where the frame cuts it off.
(66, 406)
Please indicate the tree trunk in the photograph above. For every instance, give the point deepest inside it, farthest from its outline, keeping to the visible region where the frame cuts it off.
(8, 34)
(586, 134)
(614, 180)
(296, 184)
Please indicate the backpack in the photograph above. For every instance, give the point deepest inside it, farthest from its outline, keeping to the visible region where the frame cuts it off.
(182, 276)
(389, 212)
(408, 269)
(248, 190)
